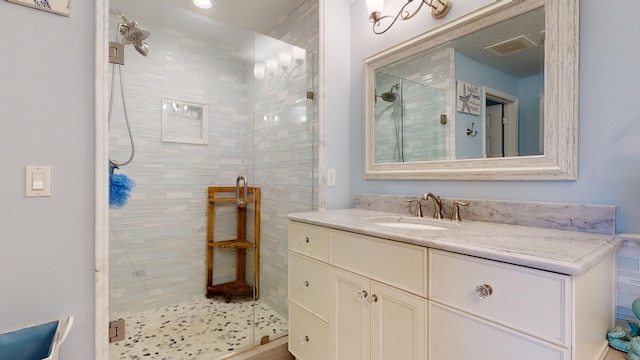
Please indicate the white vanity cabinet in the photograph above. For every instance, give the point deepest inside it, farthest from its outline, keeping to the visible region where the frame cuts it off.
(343, 305)
(308, 291)
(364, 297)
(496, 309)
(378, 304)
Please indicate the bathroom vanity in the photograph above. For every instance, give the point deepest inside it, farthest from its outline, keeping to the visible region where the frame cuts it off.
(368, 284)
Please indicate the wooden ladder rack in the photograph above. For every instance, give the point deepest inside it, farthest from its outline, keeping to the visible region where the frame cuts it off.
(238, 287)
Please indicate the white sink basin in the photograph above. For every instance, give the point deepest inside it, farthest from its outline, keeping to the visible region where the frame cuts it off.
(412, 223)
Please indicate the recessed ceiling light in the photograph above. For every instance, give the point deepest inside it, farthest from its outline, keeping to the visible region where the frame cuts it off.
(204, 4)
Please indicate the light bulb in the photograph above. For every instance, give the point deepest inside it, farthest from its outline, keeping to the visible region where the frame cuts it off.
(284, 58)
(203, 4)
(298, 53)
(272, 66)
(259, 70)
(375, 6)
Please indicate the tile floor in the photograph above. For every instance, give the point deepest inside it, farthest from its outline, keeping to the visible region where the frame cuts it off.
(202, 329)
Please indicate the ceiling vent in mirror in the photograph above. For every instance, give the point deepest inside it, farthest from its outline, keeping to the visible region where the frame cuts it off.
(511, 46)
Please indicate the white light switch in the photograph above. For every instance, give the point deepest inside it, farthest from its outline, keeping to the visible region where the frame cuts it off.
(331, 177)
(38, 181)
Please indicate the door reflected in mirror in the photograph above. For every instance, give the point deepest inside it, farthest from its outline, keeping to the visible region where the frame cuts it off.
(503, 62)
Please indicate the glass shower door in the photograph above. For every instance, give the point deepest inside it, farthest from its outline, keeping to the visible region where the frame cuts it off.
(257, 124)
(283, 162)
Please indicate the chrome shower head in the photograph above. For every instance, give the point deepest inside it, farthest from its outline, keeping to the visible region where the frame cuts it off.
(390, 96)
(142, 47)
(132, 33)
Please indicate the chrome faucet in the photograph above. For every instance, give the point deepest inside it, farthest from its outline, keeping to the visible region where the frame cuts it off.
(455, 215)
(436, 203)
(418, 212)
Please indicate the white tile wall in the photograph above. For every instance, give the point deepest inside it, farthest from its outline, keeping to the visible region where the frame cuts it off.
(627, 279)
(157, 251)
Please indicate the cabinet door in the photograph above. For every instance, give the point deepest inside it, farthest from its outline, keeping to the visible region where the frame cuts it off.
(349, 316)
(457, 335)
(398, 324)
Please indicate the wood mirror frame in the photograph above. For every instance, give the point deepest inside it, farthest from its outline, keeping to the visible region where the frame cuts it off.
(561, 73)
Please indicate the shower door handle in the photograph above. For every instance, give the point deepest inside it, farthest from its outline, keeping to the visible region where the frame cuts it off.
(241, 202)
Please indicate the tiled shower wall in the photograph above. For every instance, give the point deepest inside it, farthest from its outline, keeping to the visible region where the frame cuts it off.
(158, 238)
(285, 171)
(627, 279)
(425, 138)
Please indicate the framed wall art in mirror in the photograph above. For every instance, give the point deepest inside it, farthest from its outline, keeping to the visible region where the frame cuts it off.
(517, 65)
(60, 7)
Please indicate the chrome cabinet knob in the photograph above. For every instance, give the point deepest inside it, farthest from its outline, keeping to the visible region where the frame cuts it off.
(304, 339)
(483, 291)
(304, 240)
(374, 298)
(362, 295)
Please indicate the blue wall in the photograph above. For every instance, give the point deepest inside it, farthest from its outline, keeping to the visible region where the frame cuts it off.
(527, 90)
(47, 243)
(609, 160)
(479, 74)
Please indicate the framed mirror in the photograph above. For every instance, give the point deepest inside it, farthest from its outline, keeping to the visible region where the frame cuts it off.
(490, 96)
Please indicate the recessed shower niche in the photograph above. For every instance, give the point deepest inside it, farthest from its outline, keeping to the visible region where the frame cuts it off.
(199, 117)
(184, 121)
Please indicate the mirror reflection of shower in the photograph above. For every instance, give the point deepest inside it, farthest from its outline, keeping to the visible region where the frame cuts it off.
(128, 33)
(395, 109)
(390, 96)
(407, 113)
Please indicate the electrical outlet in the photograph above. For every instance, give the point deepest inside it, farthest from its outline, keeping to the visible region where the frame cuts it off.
(331, 177)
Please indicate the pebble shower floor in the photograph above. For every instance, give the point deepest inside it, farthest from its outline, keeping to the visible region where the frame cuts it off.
(201, 329)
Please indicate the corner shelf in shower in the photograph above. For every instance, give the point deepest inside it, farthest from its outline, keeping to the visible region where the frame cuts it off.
(225, 195)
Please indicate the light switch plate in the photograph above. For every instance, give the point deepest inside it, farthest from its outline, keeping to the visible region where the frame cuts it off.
(38, 181)
(331, 177)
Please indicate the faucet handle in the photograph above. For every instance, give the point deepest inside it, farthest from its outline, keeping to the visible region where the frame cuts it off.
(418, 212)
(455, 216)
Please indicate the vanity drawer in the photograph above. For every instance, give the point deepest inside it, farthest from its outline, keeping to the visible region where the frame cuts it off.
(456, 335)
(532, 301)
(397, 264)
(309, 284)
(309, 240)
(308, 336)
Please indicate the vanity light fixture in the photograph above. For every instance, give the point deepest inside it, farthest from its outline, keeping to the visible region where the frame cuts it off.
(203, 4)
(286, 65)
(439, 8)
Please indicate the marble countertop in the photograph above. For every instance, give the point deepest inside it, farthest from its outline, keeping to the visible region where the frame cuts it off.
(562, 251)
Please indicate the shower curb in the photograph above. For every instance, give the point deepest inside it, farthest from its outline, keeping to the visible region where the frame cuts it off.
(274, 350)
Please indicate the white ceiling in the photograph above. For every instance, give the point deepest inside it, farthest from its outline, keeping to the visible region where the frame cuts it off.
(256, 15)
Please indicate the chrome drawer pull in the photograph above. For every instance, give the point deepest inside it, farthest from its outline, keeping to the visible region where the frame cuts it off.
(483, 291)
(362, 295)
(304, 240)
(304, 339)
(374, 298)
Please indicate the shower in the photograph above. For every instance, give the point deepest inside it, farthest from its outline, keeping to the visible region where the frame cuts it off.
(397, 116)
(390, 96)
(128, 33)
(132, 34)
(158, 244)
